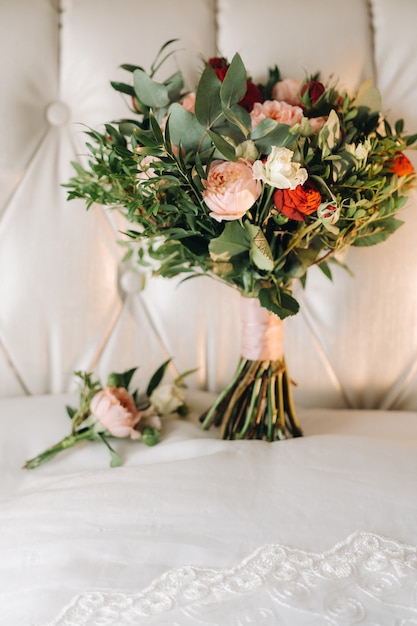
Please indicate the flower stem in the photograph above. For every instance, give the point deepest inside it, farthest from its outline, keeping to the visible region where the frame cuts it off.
(67, 442)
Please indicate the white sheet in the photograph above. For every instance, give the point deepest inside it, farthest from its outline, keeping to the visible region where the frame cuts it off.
(75, 525)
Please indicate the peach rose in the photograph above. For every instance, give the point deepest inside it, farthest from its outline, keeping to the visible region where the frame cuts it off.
(115, 409)
(281, 112)
(287, 90)
(230, 189)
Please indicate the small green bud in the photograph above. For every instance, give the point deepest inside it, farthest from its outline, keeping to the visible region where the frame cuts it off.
(150, 436)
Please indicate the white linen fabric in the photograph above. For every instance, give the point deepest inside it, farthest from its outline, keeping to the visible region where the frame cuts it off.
(75, 525)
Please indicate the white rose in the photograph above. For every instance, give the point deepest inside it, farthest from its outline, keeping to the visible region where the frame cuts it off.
(279, 170)
(167, 399)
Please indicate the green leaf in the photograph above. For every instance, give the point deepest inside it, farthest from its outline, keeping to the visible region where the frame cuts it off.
(123, 88)
(157, 377)
(233, 241)
(279, 302)
(384, 229)
(260, 252)
(329, 135)
(131, 68)
(324, 267)
(240, 118)
(224, 147)
(274, 134)
(71, 411)
(208, 106)
(151, 93)
(185, 130)
(234, 85)
(174, 85)
(115, 460)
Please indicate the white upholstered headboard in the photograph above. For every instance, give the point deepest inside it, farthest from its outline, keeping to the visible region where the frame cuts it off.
(67, 299)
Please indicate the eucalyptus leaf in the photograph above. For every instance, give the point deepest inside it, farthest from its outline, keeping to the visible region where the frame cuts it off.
(185, 130)
(234, 85)
(240, 118)
(280, 135)
(208, 106)
(174, 85)
(151, 93)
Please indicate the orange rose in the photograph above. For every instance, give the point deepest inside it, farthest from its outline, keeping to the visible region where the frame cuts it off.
(299, 202)
(402, 165)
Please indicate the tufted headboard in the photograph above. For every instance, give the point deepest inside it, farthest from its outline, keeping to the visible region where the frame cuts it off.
(69, 301)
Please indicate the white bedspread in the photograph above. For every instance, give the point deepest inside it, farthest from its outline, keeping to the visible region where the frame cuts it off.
(75, 526)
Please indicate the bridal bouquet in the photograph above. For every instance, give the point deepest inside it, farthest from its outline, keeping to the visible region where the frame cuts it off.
(252, 184)
(112, 411)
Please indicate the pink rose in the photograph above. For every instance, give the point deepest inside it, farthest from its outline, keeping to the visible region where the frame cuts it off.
(287, 90)
(231, 189)
(281, 112)
(115, 409)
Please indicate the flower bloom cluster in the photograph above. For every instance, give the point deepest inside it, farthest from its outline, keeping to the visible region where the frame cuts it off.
(231, 189)
(251, 183)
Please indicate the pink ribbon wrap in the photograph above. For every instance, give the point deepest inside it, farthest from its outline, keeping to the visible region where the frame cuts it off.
(262, 332)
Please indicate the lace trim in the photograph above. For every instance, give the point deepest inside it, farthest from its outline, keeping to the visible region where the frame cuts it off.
(366, 579)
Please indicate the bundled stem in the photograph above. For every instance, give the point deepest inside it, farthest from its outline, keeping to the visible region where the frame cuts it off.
(257, 404)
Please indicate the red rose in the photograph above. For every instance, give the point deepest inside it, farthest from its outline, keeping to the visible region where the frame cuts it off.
(313, 90)
(299, 202)
(252, 95)
(218, 62)
(402, 165)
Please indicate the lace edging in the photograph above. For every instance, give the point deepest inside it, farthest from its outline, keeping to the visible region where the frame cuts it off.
(376, 565)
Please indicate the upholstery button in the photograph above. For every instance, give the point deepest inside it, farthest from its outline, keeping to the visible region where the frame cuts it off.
(57, 113)
(131, 281)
